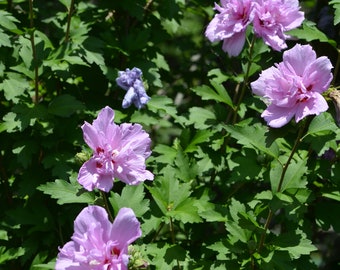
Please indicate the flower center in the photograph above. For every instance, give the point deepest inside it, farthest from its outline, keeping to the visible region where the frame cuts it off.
(105, 159)
(303, 94)
(115, 252)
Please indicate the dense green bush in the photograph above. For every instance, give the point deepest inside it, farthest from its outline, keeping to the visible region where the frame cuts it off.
(229, 192)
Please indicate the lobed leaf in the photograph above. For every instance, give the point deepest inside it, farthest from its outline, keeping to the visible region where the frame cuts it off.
(253, 136)
(131, 197)
(65, 105)
(65, 192)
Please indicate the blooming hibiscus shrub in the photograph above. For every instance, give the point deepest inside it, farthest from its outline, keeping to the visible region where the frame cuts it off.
(239, 142)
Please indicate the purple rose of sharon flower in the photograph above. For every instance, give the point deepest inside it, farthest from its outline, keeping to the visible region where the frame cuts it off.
(294, 86)
(98, 244)
(230, 24)
(273, 18)
(130, 80)
(119, 151)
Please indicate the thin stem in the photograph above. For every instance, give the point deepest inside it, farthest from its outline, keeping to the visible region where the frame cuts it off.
(69, 17)
(34, 53)
(245, 82)
(147, 5)
(284, 170)
(336, 69)
(9, 4)
(106, 205)
(172, 231)
(157, 232)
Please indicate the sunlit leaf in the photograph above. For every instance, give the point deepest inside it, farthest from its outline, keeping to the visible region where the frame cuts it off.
(65, 192)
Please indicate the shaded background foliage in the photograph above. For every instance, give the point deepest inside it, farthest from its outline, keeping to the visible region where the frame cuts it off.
(208, 203)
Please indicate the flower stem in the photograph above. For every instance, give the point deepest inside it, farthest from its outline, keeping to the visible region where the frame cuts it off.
(70, 12)
(34, 54)
(279, 187)
(172, 231)
(160, 227)
(336, 69)
(107, 206)
(245, 81)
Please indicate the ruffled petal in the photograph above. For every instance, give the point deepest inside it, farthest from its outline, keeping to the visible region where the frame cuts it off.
(104, 119)
(125, 228)
(277, 117)
(318, 76)
(234, 45)
(297, 58)
(313, 106)
(88, 175)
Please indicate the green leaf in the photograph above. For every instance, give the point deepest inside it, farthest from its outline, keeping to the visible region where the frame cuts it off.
(322, 124)
(222, 92)
(201, 117)
(8, 21)
(199, 137)
(294, 176)
(65, 192)
(295, 243)
(209, 211)
(171, 26)
(163, 104)
(4, 39)
(264, 195)
(25, 52)
(23, 115)
(221, 248)
(3, 235)
(248, 169)
(283, 197)
(66, 3)
(24, 151)
(218, 95)
(93, 48)
(160, 62)
(50, 265)
(132, 197)
(237, 233)
(10, 254)
(186, 169)
(11, 123)
(65, 105)
(310, 32)
(336, 6)
(166, 153)
(173, 198)
(164, 256)
(14, 86)
(253, 136)
(334, 195)
(218, 76)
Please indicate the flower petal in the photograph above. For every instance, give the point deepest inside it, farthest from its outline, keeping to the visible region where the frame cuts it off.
(318, 74)
(104, 119)
(91, 136)
(296, 58)
(126, 227)
(277, 116)
(234, 45)
(314, 105)
(91, 215)
(88, 175)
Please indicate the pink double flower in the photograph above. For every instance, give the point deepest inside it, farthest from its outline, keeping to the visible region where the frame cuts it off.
(270, 20)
